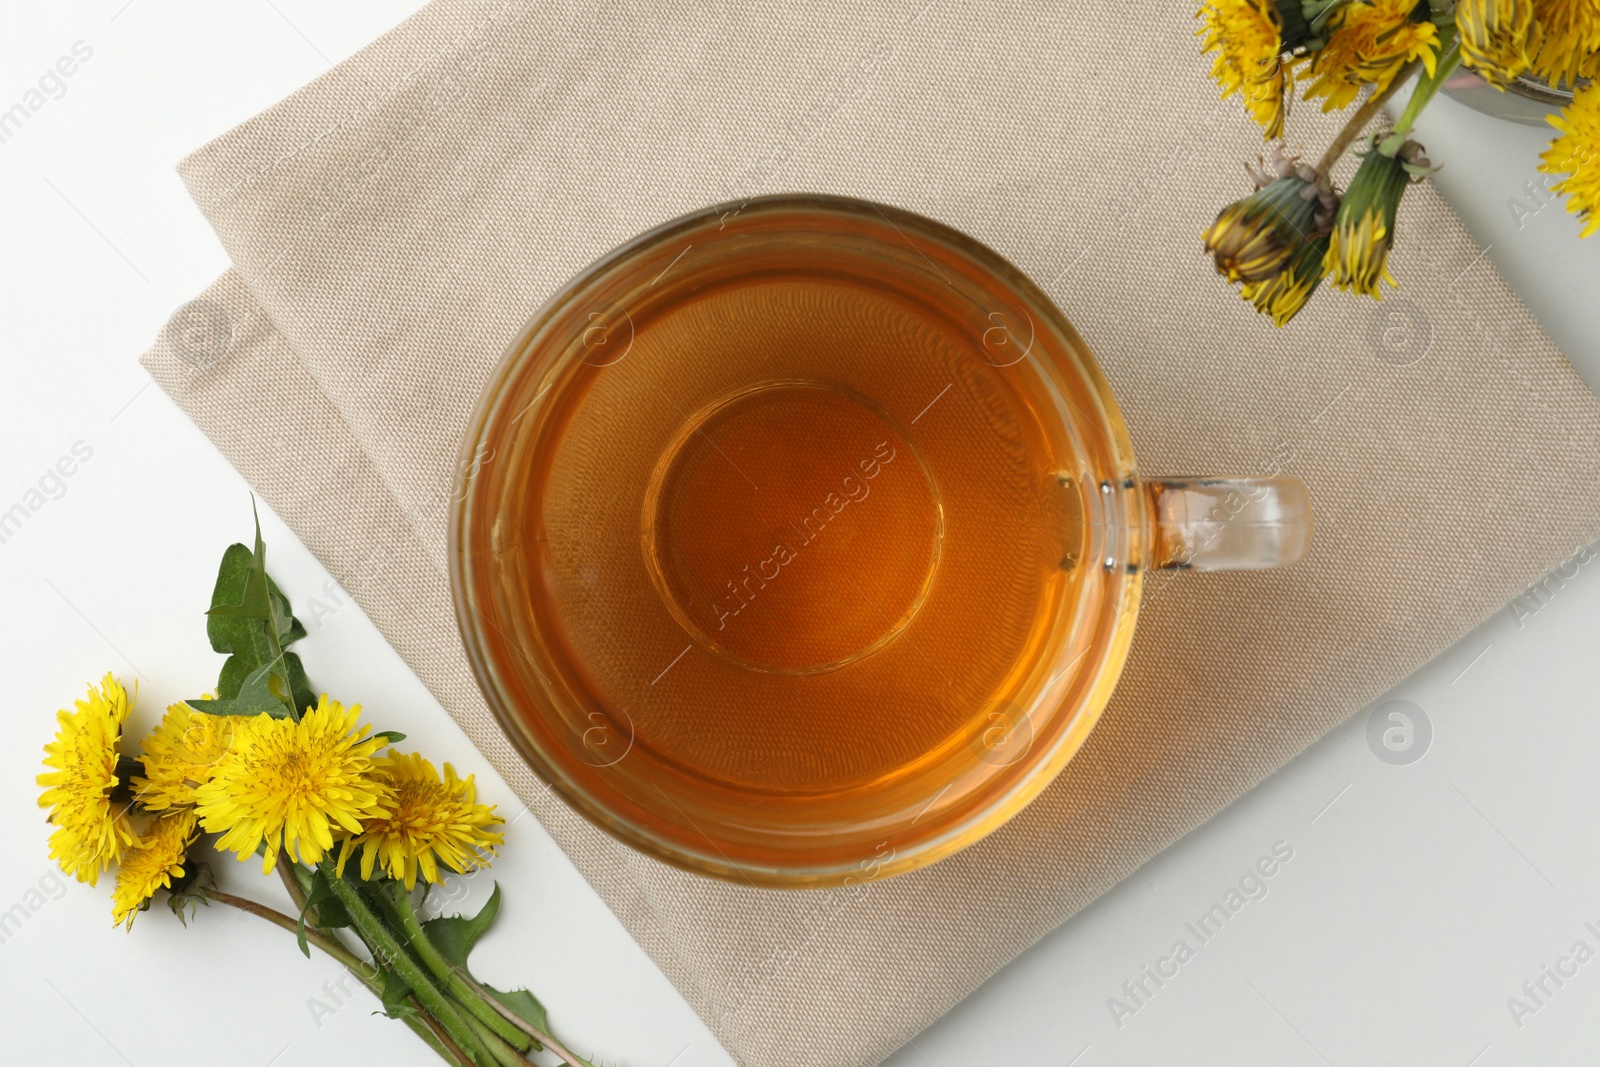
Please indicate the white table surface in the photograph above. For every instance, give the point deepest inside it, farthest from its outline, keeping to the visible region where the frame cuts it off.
(1419, 899)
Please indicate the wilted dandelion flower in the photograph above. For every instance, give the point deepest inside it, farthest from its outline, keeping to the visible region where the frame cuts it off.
(1283, 295)
(1363, 230)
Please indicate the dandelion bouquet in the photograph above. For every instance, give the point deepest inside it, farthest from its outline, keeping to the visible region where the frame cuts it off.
(1281, 241)
(265, 768)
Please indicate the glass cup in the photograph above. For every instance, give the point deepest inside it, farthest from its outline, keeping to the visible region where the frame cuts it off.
(799, 542)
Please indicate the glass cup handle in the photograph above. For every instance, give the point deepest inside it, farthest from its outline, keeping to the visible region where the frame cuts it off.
(1227, 524)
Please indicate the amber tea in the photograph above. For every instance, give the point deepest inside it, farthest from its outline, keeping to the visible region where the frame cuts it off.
(788, 560)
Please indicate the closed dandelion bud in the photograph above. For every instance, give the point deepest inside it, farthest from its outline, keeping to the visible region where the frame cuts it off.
(1283, 295)
(1272, 242)
(1363, 230)
(1494, 38)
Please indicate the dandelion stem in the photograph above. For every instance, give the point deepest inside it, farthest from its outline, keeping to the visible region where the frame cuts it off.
(1428, 87)
(297, 880)
(571, 1058)
(385, 947)
(406, 916)
(289, 872)
(1363, 115)
(498, 1047)
(362, 970)
(431, 1031)
(278, 918)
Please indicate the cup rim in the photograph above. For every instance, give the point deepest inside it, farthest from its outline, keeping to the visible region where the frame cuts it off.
(1124, 500)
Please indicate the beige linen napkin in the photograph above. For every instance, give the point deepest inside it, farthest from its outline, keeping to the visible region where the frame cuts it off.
(394, 223)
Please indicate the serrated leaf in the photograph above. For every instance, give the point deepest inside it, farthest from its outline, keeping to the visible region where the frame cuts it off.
(454, 935)
(295, 631)
(299, 684)
(257, 586)
(253, 599)
(263, 692)
(235, 706)
(250, 621)
(227, 632)
(524, 1004)
(394, 992)
(330, 910)
(237, 668)
(234, 671)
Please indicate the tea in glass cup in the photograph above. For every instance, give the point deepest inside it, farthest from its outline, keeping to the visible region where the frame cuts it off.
(800, 541)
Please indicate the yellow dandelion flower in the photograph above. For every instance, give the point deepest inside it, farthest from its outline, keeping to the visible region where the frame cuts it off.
(180, 754)
(293, 785)
(1247, 36)
(1576, 153)
(1494, 37)
(92, 829)
(1566, 39)
(1370, 42)
(430, 821)
(152, 865)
